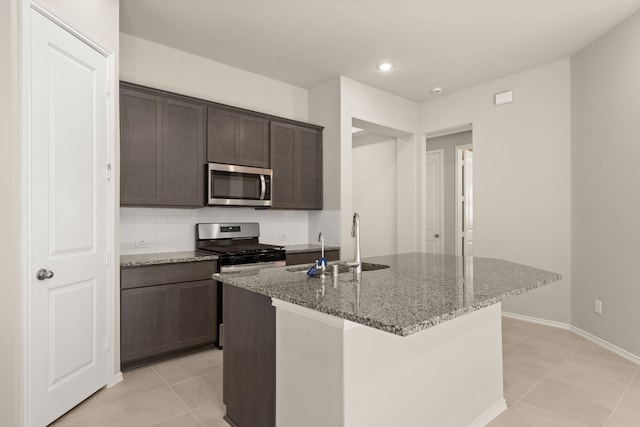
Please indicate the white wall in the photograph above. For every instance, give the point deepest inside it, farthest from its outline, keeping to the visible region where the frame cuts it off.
(372, 105)
(10, 386)
(162, 67)
(374, 194)
(324, 108)
(522, 182)
(606, 185)
(169, 230)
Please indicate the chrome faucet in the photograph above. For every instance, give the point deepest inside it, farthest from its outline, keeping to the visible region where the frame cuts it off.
(355, 232)
(321, 240)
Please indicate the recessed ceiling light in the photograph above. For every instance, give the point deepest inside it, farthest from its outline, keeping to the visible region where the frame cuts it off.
(436, 90)
(385, 66)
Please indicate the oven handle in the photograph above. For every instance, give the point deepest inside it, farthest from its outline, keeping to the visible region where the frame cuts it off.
(263, 187)
(253, 266)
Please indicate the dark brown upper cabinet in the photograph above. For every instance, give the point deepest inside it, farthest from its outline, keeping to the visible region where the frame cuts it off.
(237, 139)
(296, 160)
(166, 139)
(161, 149)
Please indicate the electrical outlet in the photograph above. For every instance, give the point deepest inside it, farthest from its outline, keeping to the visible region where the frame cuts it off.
(142, 243)
(283, 237)
(597, 306)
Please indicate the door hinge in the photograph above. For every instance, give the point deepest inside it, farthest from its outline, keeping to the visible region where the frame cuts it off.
(108, 173)
(107, 343)
(107, 89)
(108, 258)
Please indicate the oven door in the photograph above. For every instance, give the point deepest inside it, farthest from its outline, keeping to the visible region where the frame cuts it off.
(231, 185)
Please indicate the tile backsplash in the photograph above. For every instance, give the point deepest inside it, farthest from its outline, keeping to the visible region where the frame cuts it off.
(167, 230)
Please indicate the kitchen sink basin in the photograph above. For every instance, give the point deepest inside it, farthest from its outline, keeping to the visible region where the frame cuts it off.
(366, 266)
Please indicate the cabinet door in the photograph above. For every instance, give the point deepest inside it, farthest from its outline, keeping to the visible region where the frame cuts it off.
(145, 322)
(283, 164)
(140, 151)
(296, 160)
(221, 136)
(249, 369)
(252, 143)
(194, 313)
(309, 169)
(182, 154)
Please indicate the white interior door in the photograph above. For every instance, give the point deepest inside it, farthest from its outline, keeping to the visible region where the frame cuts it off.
(468, 206)
(434, 199)
(464, 200)
(68, 221)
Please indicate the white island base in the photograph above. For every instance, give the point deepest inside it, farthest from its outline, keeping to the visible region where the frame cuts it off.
(331, 372)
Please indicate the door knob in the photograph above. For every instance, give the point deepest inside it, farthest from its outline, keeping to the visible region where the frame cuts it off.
(436, 235)
(43, 274)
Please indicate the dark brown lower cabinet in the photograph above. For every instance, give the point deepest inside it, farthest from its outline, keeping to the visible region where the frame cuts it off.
(194, 315)
(146, 322)
(311, 257)
(166, 310)
(249, 369)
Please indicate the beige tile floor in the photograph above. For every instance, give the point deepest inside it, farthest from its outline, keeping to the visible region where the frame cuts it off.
(552, 378)
(555, 378)
(185, 392)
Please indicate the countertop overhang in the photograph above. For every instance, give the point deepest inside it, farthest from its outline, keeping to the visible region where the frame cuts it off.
(416, 292)
(139, 260)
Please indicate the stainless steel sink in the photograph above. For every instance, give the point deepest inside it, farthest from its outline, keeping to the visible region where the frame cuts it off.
(366, 266)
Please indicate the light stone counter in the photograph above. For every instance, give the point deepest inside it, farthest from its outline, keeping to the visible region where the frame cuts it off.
(164, 258)
(418, 291)
(441, 365)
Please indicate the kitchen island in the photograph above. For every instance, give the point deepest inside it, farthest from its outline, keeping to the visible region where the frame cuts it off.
(415, 344)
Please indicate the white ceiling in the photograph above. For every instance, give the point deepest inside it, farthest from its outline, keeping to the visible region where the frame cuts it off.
(450, 43)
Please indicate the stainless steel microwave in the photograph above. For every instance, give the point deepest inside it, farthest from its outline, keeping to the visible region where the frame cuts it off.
(231, 185)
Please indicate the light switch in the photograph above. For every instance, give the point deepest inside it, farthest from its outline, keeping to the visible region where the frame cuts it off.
(504, 97)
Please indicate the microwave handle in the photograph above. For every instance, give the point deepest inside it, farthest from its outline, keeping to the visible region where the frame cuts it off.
(263, 187)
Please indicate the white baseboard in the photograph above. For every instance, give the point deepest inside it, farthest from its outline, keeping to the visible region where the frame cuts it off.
(531, 319)
(490, 414)
(116, 379)
(611, 347)
(602, 343)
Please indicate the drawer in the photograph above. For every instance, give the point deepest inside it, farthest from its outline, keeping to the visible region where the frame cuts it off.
(163, 274)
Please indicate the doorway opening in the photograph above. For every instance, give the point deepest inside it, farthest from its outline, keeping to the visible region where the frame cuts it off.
(448, 195)
(376, 186)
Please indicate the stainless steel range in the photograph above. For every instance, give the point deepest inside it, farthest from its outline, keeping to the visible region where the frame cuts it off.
(238, 248)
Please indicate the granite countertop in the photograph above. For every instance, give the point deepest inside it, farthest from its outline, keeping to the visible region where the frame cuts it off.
(417, 292)
(164, 258)
(308, 248)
